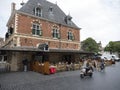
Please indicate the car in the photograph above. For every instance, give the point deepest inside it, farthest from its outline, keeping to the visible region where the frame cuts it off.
(114, 57)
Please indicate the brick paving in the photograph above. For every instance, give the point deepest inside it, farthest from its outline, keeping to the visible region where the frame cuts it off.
(32, 80)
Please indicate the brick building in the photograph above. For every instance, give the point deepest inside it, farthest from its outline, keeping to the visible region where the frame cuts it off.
(40, 23)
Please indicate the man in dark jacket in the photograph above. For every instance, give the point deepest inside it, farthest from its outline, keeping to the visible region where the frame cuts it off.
(25, 64)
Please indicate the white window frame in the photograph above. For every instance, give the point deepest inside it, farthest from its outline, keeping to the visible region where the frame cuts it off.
(56, 33)
(70, 35)
(38, 12)
(36, 29)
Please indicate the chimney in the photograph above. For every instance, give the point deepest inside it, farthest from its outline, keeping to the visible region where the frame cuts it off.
(13, 7)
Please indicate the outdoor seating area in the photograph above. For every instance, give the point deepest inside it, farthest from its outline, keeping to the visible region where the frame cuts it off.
(47, 68)
(68, 67)
(50, 68)
(40, 67)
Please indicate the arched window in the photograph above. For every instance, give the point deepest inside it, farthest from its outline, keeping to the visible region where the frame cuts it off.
(36, 29)
(38, 12)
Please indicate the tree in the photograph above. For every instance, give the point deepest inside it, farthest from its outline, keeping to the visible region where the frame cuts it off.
(90, 45)
(113, 47)
(109, 47)
(117, 47)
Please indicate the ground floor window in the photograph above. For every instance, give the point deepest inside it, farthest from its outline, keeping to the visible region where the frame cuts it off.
(3, 58)
(67, 58)
(41, 58)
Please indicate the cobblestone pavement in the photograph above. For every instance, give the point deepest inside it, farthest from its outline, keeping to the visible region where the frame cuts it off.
(31, 80)
(69, 80)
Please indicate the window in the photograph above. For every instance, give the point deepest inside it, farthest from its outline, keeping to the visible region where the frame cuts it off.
(41, 58)
(68, 19)
(38, 12)
(36, 29)
(56, 33)
(7, 35)
(67, 58)
(3, 58)
(10, 30)
(51, 10)
(70, 36)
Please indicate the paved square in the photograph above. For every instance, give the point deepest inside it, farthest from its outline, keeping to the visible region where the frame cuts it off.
(32, 80)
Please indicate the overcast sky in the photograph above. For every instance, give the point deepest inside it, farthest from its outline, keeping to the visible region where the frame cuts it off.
(99, 19)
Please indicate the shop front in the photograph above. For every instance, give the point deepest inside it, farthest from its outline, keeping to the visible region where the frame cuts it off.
(41, 61)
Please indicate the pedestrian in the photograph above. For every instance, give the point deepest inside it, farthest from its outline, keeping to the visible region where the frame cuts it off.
(85, 63)
(102, 66)
(25, 65)
(95, 64)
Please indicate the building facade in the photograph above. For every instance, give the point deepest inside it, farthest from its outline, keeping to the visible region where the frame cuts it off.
(36, 23)
(39, 22)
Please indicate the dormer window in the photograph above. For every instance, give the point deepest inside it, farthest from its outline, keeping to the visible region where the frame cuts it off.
(10, 30)
(50, 9)
(68, 19)
(7, 35)
(50, 13)
(38, 11)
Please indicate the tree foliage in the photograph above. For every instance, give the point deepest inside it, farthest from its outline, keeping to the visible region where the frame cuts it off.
(113, 47)
(90, 45)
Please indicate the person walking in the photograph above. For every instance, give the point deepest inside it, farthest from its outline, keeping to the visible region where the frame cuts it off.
(25, 65)
(102, 66)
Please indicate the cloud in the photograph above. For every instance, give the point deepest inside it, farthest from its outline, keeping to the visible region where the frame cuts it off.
(5, 11)
(99, 19)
